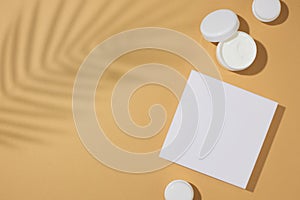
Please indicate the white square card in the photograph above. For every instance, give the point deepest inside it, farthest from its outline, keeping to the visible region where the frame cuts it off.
(218, 129)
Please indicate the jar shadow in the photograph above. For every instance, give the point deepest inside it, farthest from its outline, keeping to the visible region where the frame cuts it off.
(284, 14)
(244, 26)
(197, 195)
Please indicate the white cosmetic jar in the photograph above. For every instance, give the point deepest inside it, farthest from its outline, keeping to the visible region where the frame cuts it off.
(236, 50)
(179, 190)
(266, 10)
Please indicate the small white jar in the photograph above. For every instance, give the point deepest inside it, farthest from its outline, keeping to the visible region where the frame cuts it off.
(236, 50)
(179, 190)
(266, 10)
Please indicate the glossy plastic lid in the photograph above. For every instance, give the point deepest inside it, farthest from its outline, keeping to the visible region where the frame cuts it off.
(266, 10)
(179, 190)
(219, 25)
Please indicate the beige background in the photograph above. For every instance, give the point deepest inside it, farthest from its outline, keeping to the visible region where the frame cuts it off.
(42, 46)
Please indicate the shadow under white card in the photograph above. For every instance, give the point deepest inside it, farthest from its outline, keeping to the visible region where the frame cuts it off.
(218, 129)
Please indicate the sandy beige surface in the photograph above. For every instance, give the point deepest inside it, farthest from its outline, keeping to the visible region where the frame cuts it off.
(42, 46)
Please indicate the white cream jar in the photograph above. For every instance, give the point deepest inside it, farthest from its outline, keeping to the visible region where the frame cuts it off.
(236, 50)
(266, 10)
(179, 190)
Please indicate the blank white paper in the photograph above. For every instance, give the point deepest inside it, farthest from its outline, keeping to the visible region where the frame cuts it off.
(218, 129)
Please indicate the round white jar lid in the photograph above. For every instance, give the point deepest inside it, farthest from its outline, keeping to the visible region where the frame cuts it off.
(179, 190)
(219, 25)
(238, 52)
(266, 10)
